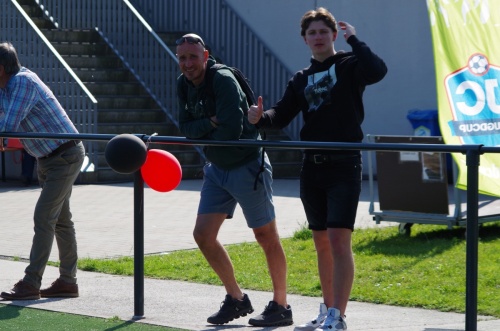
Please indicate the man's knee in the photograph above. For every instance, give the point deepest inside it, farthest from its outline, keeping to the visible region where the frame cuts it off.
(267, 234)
(198, 236)
(207, 228)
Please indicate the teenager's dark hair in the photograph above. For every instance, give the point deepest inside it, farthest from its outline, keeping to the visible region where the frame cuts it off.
(9, 59)
(320, 14)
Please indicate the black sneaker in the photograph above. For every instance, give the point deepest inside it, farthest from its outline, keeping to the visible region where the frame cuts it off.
(273, 315)
(231, 309)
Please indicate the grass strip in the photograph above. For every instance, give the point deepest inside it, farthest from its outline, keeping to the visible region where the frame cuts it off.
(425, 270)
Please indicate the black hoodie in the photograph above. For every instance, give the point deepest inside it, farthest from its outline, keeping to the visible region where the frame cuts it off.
(329, 95)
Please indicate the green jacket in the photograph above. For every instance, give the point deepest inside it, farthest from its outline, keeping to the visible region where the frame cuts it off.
(230, 107)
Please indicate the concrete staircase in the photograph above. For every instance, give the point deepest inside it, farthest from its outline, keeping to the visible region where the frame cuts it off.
(124, 106)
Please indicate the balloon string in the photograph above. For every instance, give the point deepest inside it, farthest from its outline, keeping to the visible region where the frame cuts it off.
(149, 139)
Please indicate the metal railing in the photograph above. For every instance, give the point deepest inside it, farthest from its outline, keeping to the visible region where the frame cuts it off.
(37, 54)
(472, 152)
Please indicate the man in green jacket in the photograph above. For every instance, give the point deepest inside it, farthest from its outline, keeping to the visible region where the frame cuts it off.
(230, 176)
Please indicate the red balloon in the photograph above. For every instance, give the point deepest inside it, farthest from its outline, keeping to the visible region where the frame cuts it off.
(161, 171)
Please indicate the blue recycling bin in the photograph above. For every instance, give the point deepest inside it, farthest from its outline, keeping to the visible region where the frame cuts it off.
(424, 122)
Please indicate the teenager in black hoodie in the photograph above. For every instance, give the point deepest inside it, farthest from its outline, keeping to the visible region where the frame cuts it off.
(329, 95)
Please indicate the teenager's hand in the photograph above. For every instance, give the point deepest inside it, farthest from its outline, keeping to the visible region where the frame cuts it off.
(255, 112)
(349, 29)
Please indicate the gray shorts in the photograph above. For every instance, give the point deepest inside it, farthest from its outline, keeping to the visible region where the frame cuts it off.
(222, 189)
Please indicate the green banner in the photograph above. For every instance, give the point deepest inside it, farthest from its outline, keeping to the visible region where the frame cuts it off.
(466, 43)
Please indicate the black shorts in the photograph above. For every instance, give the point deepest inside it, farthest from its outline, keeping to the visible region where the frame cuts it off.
(330, 192)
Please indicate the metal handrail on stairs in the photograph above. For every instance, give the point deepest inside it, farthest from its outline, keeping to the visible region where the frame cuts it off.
(131, 39)
(54, 51)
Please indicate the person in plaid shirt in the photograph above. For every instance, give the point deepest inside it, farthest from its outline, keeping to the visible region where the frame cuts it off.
(28, 105)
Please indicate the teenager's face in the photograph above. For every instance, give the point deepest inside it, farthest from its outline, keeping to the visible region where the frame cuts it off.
(319, 37)
(192, 61)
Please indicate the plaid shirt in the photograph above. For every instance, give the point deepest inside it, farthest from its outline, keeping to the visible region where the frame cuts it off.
(28, 105)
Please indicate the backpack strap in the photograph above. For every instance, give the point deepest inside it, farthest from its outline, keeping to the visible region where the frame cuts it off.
(240, 78)
(209, 79)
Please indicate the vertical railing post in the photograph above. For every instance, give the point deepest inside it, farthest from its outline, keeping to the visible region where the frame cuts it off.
(472, 237)
(138, 245)
(2, 155)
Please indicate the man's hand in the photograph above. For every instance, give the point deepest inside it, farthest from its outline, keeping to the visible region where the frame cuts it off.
(213, 121)
(255, 112)
(349, 29)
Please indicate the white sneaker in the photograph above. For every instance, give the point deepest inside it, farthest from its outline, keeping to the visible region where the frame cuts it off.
(333, 321)
(316, 322)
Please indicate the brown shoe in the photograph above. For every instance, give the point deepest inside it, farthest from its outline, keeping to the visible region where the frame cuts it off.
(60, 289)
(22, 291)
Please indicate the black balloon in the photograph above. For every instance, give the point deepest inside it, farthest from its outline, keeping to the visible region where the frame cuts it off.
(125, 153)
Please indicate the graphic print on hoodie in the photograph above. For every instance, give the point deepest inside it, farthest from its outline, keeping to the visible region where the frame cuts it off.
(319, 85)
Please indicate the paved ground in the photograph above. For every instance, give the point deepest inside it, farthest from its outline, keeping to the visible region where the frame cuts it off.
(104, 223)
(104, 218)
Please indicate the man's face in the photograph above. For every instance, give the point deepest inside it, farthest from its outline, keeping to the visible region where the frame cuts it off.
(192, 61)
(319, 37)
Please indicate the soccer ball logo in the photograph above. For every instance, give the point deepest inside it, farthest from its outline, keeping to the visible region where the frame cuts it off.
(478, 64)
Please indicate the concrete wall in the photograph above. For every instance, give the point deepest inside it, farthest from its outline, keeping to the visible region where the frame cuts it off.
(398, 31)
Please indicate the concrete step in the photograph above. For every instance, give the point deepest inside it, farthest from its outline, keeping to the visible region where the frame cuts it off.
(97, 75)
(107, 62)
(32, 11)
(125, 102)
(136, 128)
(42, 23)
(68, 36)
(83, 48)
(116, 88)
(26, 2)
(100, 147)
(131, 115)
